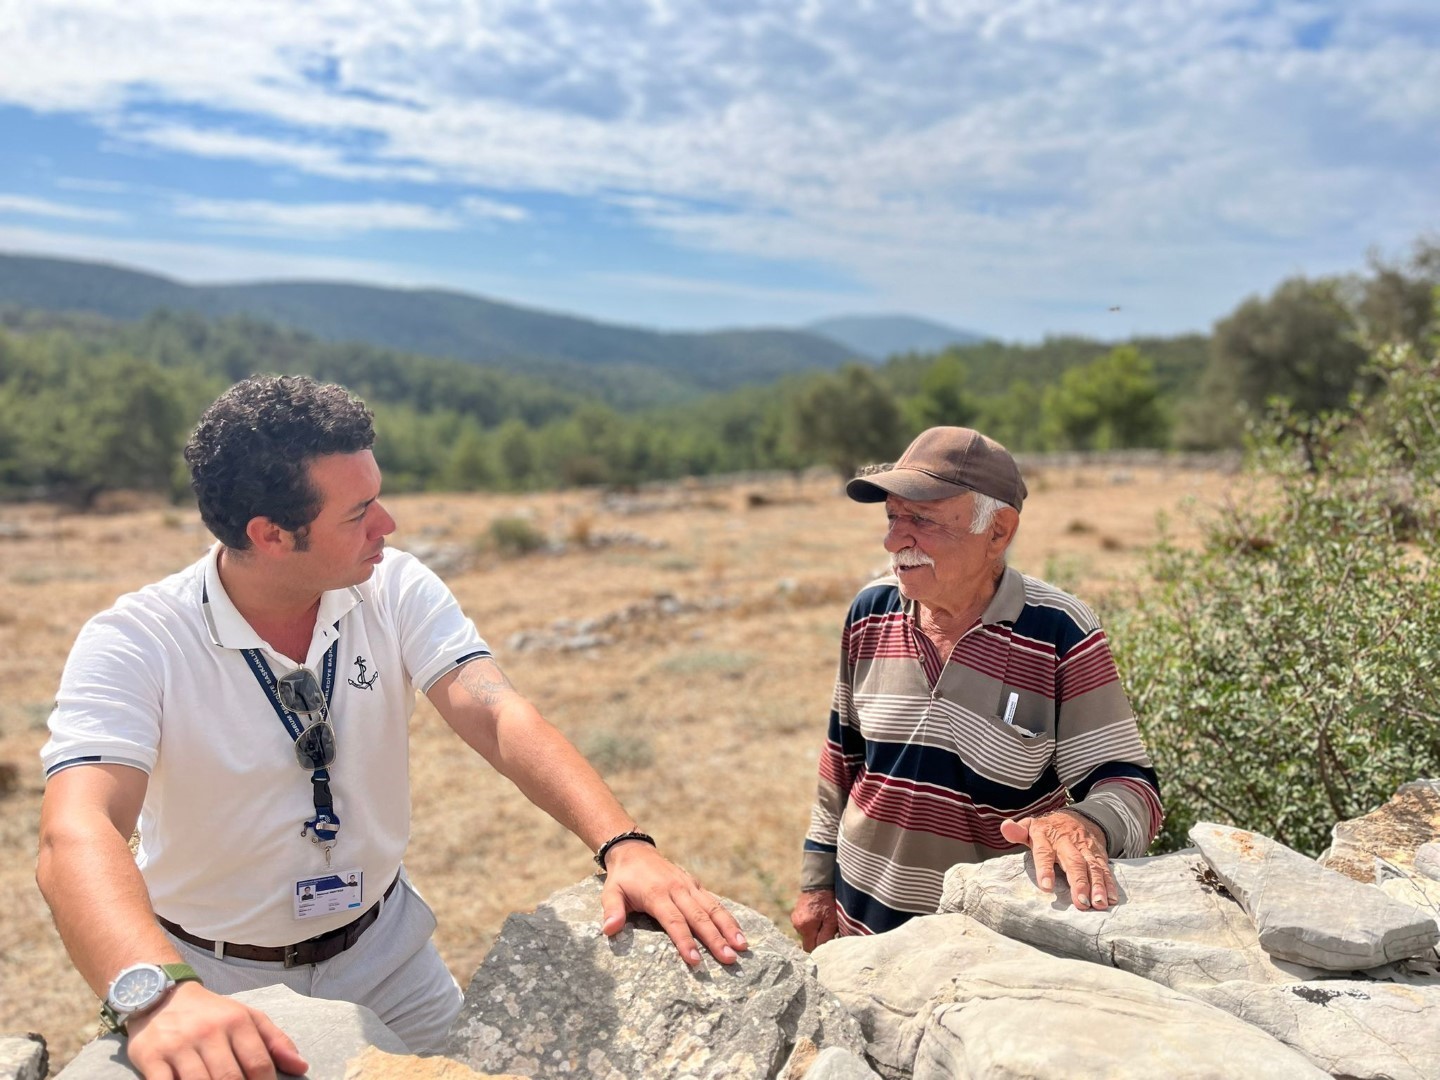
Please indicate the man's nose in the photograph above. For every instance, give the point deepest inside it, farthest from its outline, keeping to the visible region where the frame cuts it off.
(384, 523)
(897, 536)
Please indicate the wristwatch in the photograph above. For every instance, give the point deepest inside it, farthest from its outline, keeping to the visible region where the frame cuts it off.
(139, 988)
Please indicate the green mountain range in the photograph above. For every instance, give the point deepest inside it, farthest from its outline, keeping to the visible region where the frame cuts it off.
(883, 336)
(621, 363)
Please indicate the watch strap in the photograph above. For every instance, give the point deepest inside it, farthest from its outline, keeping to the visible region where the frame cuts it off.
(181, 973)
(114, 1022)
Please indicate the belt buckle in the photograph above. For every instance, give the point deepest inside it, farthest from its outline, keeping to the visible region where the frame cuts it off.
(292, 955)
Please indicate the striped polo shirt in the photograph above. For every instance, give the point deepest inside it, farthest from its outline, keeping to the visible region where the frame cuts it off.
(924, 758)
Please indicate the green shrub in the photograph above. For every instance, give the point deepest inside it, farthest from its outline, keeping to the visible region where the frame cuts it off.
(1287, 673)
(614, 752)
(514, 536)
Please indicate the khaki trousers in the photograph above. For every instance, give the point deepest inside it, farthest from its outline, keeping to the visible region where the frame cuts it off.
(394, 970)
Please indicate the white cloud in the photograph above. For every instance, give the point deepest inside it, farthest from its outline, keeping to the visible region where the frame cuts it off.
(309, 219)
(492, 209)
(306, 157)
(205, 263)
(26, 206)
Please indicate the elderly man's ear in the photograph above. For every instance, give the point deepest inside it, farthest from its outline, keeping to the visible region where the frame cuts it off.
(1003, 529)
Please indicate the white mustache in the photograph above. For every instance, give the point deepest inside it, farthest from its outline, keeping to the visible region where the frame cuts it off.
(906, 558)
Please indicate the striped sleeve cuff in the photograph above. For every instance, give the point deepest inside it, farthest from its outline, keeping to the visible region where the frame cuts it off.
(94, 759)
(817, 867)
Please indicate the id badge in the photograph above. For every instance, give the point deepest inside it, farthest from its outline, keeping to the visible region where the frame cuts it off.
(329, 893)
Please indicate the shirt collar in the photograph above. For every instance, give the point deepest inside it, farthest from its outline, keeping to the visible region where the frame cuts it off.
(228, 628)
(1004, 607)
(1009, 599)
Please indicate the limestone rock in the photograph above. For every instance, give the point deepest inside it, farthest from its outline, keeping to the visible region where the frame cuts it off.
(23, 1057)
(555, 997)
(1176, 922)
(1049, 1018)
(375, 1064)
(891, 982)
(1427, 859)
(1346, 1027)
(943, 996)
(800, 1060)
(1393, 833)
(1309, 914)
(812, 1063)
(327, 1033)
(838, 1064)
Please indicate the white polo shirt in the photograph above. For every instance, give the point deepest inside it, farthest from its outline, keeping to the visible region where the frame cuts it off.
(159, 682)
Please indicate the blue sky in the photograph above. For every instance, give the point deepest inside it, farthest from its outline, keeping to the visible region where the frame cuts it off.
(1016, 167)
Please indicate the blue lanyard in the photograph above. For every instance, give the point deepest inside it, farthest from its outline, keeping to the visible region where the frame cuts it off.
(326, 822)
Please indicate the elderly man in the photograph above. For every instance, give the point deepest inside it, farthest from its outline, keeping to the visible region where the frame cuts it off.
(976, 710)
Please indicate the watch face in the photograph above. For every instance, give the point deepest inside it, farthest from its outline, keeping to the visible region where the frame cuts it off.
(137, 987)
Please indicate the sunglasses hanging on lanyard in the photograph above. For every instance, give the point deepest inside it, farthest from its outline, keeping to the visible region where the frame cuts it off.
(299, 693)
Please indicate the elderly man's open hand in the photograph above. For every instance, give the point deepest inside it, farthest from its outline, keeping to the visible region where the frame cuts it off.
(1074, 843)
(638, 878)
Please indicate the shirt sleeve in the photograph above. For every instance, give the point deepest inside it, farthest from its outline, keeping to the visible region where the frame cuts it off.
(436, 637)
(107, 710)
(840, 761)
(1100, 756)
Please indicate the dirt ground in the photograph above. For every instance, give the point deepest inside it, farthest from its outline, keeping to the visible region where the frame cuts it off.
(704, 712)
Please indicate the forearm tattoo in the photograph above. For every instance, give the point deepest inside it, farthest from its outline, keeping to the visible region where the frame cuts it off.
(485, 682)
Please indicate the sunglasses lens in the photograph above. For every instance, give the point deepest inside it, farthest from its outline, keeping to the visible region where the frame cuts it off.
(315, 748)
(299, 691)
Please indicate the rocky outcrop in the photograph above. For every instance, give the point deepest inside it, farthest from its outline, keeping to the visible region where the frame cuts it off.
(555, 997)
(1393, 835)
(1176, 923)
(1223, 923)
(23, 1057)
(329, 1034)
(1193, 974)
(1309, 914)
(945, 996)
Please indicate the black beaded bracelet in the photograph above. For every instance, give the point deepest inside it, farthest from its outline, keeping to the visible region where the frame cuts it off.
(608, 844)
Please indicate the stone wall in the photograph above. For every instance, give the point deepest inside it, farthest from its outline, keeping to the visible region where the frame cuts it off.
(1235, 957)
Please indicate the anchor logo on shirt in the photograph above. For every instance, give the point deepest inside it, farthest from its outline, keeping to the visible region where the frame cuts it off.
(360, 682)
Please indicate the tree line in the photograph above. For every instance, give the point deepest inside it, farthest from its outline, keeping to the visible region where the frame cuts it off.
(89, 405)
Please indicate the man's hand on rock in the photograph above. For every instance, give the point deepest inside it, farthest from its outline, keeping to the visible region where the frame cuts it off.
(1074, 843)
(814, 918)
(638, 878)
(200, 1034)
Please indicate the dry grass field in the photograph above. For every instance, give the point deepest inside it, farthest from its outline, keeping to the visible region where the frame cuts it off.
(704, 713)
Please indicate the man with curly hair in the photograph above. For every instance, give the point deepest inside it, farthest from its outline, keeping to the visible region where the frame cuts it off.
(272, 798)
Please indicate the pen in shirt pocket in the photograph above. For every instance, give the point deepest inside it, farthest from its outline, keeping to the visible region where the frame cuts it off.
(1010, 706)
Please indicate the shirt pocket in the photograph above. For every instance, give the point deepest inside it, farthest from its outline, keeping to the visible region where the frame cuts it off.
(1027, 714)
(1012, 754)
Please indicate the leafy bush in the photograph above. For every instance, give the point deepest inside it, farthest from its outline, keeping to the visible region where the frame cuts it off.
(514, 536)
(614, 752)
(1287, 673)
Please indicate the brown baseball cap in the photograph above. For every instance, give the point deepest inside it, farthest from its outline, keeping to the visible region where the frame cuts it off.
(941, 463)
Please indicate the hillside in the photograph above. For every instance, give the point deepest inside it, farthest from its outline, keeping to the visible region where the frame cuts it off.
(656, 366)
(881, 336)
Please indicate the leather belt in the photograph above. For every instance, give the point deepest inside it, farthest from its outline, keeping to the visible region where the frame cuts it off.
(310, 951)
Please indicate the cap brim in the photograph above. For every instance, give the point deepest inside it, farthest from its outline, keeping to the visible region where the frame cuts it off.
(907, 483)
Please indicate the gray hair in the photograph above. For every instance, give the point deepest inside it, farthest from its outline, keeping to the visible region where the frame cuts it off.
(982, 512)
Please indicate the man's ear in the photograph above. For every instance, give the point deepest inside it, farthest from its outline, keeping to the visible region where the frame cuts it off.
(267, 538)
(1003, 528)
